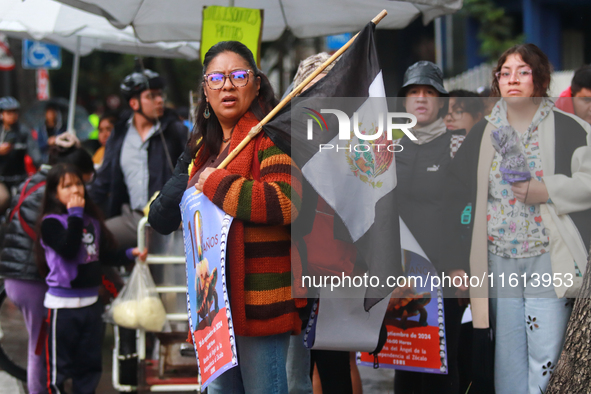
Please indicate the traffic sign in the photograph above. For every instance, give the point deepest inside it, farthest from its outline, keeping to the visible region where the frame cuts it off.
(42, 84)
(38, 54)
(336, 41)
(6, 58)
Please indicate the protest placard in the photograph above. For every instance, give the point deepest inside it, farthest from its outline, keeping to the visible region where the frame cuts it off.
(414, 318)
(232, 24)
(205, 230)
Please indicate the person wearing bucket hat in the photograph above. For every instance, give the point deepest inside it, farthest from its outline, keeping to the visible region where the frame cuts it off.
(423, 73)
(16, 141)
(421, 169)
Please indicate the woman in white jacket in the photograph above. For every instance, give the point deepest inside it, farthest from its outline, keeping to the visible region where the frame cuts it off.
(527, 239)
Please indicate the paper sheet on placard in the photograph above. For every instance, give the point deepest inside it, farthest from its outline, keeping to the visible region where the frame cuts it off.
(205, 231)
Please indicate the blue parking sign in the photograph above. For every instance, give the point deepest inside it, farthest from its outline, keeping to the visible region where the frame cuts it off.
(336, 41)
(37, 54)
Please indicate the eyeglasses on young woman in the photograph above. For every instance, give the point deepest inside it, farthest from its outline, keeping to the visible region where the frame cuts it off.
(520, 75)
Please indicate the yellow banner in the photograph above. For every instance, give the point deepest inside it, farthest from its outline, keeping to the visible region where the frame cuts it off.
(232, 24)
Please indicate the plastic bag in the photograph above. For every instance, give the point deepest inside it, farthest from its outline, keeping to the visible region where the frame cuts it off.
(138, 305)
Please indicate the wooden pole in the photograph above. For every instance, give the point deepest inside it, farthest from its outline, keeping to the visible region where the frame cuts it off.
(256, 129)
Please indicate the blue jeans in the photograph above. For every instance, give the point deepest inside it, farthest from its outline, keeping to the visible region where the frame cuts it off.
(298, 366)
(530, 324)
(261, 367)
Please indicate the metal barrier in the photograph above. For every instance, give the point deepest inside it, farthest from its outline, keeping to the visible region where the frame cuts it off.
(172, 318)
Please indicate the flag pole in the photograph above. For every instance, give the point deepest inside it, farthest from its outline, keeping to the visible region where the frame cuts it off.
(256, 129)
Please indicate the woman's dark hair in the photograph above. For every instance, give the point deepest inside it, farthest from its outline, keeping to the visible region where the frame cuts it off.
(78, 157)
(581, 80)
(110, 117)
(208, 132)
(533, 57)
(52, 205)
(467, 101)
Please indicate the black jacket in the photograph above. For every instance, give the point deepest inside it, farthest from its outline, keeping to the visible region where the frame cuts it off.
(17, 259)
(421, 171)
(109, 188)
(165, 214)
(12, 164)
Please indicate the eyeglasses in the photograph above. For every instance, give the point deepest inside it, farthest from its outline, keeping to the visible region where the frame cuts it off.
(455, 115)
(238, 79)
(505, 76)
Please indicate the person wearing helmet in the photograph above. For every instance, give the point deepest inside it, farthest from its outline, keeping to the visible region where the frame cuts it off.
(139, 156)
(16, 141)
(421, 169)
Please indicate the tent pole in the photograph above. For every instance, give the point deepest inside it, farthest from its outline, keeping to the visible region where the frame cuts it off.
(74, 88)
(438, 42)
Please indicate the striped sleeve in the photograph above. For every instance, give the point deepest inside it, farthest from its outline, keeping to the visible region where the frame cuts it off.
(274, 200)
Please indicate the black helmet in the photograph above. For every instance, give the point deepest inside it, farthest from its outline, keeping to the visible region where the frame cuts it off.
(136, 82)
(423, 73)
(9, 103)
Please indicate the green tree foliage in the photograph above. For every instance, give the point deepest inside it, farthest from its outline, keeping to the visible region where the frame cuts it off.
(496, 32)
(102, 72)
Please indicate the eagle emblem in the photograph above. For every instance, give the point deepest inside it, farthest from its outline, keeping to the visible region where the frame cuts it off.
(370, 159)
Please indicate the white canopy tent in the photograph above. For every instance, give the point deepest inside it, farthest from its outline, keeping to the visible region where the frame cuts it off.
(173, 20)
(80, 32)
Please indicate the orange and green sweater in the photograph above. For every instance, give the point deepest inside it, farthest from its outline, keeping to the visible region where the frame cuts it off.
(259, 261)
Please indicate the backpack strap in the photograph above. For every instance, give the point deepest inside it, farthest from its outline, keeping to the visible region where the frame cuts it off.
(24, 194)
(20, 200)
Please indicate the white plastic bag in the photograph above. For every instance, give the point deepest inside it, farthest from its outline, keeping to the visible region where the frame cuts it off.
(138, 305)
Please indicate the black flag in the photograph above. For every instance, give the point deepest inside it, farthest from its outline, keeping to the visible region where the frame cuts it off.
(357, 179)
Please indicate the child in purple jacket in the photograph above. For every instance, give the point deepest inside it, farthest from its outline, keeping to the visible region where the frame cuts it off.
(74, 242)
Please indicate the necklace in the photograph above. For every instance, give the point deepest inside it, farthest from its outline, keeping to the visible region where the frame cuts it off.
(224, 140)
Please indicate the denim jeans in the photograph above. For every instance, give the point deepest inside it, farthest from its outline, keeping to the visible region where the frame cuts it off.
(261, 367)
(298, 366)
(530, 324)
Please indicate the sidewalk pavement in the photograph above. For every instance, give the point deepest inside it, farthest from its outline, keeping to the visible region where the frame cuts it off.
(376, 381)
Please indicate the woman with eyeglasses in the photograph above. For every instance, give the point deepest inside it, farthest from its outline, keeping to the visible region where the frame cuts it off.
(527, 230)
(465, 110)
(235, 96)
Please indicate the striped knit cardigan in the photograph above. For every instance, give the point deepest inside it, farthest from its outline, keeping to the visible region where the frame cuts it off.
(259, 264)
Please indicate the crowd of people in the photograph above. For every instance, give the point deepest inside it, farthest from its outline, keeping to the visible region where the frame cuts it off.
(70, 213)
(72, 219)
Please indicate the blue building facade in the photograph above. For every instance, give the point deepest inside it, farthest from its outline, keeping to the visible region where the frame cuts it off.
(560, 28)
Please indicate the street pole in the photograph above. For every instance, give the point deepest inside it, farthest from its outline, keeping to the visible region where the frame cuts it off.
(6, 83)
(74, 88)
(438, 43)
